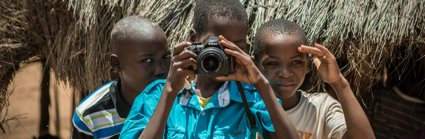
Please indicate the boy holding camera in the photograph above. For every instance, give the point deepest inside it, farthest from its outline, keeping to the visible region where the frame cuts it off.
(218, 105)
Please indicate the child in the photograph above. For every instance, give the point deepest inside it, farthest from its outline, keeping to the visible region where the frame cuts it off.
(282, 57)
(139, 56)
(214, 107)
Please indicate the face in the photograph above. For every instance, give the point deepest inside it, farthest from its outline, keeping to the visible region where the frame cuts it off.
(283, 65)
(143, 60)
(233, 31)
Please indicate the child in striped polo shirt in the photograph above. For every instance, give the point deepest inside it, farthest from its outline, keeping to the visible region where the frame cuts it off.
(139, 56)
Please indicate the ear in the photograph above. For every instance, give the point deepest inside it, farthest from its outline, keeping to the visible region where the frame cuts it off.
(115, 63)
(192, 35)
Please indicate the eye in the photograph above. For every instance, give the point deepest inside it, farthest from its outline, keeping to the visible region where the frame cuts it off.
(166, 55)
(271, 63)
(297, 62)
(147, 60)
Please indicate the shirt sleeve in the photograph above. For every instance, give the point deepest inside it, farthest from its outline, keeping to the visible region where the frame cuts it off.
(142, 110)
(80, 125)
(335, 126)
(264, 122)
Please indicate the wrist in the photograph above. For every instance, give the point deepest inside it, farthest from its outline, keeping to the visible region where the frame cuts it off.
(339, 84)
(169, 89)
(261, 82)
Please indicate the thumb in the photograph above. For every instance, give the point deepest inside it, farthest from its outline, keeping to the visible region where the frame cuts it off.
(223, 78)
(317, 62)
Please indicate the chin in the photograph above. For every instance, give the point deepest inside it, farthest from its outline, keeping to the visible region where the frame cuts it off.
(287, 95)
(284, 93)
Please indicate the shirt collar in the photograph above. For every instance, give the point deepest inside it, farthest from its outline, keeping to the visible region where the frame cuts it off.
(120, 104)
(221, 98)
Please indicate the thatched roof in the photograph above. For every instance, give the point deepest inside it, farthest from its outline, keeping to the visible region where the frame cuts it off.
(363, 34)
(12, 52)
(74, 35)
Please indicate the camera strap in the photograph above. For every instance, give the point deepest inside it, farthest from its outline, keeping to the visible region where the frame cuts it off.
(251, 116)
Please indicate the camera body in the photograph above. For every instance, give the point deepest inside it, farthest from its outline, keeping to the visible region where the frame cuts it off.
(211, 59)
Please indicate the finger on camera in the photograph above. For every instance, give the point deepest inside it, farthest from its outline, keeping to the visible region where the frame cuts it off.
(221, 37)
(186, 73)
(229, 44)
(191, 76)
(190, 63)
(224, 78)
(238, 56)
(186, 64)
(180, 47)
(186, 54)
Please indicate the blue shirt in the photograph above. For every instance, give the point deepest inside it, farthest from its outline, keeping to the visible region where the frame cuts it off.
(223, 117)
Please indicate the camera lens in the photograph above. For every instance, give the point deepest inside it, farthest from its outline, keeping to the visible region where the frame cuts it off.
(210, 63)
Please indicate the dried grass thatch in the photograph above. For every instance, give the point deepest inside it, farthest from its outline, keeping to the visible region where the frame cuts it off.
(362, 34)
(74, 35)
(13, 49)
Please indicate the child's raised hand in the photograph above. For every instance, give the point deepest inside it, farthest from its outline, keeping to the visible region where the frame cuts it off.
(183, 66)
(325, 63)
(245, 69)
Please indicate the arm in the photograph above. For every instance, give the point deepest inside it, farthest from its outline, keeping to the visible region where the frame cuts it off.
(282, 124)
(247, 72)
(358, 125)
(156, 125)
(182, 66)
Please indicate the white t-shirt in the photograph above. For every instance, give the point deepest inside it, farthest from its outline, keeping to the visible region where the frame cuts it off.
(318, 116)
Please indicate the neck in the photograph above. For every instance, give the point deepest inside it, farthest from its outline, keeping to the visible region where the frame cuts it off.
(206, 87)
(291, 101)
(127, 93)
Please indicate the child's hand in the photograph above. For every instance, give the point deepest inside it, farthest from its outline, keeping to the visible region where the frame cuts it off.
(245, 69)
(182, 67)
(325, 63)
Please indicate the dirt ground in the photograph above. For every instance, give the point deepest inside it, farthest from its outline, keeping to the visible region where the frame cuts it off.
(25, 103)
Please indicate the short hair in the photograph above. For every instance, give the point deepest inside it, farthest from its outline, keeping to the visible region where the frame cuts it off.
(141, 25)
(276, 27)
(207, 11)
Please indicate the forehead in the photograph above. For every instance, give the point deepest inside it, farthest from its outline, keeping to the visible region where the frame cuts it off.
(152, 34)
(282, 45)
(231, 30)
(137, 42)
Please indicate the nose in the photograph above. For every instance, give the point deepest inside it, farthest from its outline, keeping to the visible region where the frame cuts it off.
(284, 72)
(161, 68)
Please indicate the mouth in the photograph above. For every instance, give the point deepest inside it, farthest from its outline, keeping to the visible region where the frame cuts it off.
(285, 86)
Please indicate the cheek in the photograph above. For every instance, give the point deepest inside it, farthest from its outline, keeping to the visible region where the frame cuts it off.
(300, 72)
(139, 71)
(270, 72)
(145, 69)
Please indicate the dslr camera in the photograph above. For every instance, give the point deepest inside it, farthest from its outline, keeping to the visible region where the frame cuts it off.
(211, 59)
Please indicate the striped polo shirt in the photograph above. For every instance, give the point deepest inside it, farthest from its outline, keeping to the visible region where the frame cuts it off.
(102, 113)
